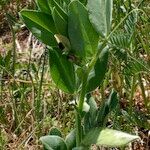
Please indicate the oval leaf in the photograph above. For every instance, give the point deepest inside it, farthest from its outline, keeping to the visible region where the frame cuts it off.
(97, 75)
(108, 137)
(108, 106)
(90, 117)
(41, 25)
(100, 15)
(83, 38)
(55, 131)
(43, 6)
(71, 140)
(54, 4)
(53, 142)
(60, 22)
(62, 71)
(93, 110)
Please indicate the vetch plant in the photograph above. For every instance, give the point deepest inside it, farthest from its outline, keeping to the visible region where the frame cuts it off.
(76, 33)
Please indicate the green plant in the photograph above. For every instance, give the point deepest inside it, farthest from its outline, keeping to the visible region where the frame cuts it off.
(126, 52)
(77, 35)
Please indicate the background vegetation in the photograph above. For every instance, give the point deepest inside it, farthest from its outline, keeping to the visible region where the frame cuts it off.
(25, 79)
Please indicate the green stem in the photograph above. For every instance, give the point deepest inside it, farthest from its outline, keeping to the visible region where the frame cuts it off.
(16, 120)
(83, 92)
(38, 101)
(79, 133)
(84, 83)
(78, 128)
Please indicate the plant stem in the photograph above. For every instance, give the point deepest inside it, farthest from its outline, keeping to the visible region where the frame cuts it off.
(84, 83)
(78, 128)
(16, 118)
(38, 101)
(82, 94)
